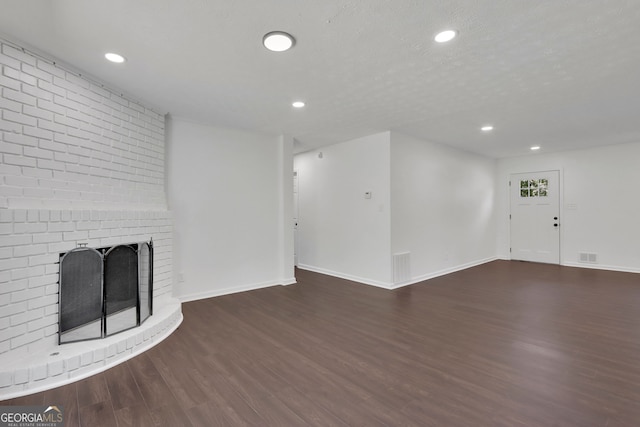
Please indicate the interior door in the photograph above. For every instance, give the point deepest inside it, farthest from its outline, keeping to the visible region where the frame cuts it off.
(535, 216)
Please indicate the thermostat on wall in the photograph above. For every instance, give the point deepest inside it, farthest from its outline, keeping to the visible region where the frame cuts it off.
(367, 194)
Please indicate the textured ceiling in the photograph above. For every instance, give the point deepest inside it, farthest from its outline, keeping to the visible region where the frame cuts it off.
(561, 74)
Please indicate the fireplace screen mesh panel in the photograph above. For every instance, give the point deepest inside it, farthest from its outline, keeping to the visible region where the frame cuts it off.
(120, 288)
(145, 267)
(81, 296)
(104, 291)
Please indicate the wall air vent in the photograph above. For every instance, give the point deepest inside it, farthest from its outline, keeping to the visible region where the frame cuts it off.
(401, 267)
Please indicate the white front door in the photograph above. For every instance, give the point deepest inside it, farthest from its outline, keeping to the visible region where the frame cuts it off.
(535, 217)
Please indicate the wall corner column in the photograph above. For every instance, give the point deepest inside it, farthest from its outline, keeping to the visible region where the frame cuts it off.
(285, 226)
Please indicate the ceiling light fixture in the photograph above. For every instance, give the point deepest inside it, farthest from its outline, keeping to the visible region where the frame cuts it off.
(486, 128)
(114, 57)
(278, 41)
(298, 104)
(535, 148)
(445, 36)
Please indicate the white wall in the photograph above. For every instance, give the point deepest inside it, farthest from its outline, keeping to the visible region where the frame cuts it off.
(339, 231)
(600, 207)
(225, 188)
(443, 206)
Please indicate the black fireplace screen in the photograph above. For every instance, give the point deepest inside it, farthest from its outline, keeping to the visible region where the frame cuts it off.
(104, 291)
(82, 303)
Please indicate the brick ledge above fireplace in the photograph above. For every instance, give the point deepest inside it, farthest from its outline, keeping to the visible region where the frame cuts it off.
(76, 361)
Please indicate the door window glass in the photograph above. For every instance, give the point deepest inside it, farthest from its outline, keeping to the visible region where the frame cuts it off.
(534, 187)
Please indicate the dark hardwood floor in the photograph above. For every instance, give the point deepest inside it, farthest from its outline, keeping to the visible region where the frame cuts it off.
(502, 344)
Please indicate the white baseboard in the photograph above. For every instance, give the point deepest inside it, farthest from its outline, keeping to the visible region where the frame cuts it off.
(443, 272)
(235, 289)
(289, 281)
(358, 279)
(619, 268)
(391, 286)
(602, 267)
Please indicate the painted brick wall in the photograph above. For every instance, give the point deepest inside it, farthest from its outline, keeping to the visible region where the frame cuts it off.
(68, 141)
(31, 241)
(79, 163)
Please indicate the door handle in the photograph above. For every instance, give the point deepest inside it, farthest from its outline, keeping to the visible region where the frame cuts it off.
(555, 225)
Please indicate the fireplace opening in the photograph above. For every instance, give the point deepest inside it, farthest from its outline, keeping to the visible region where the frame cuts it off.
(105, 290)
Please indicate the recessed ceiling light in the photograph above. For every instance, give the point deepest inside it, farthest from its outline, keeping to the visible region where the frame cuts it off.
(298, 104)
(486, 128)
(535, 147)
(114, 57)
(445, 36)
(278, 41)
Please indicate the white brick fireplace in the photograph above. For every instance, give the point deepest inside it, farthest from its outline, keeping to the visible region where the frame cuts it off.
(79, 163)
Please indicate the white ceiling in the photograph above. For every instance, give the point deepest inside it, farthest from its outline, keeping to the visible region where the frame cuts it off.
(561, 74)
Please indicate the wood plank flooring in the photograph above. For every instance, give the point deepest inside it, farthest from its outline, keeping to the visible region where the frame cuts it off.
(501, 344)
